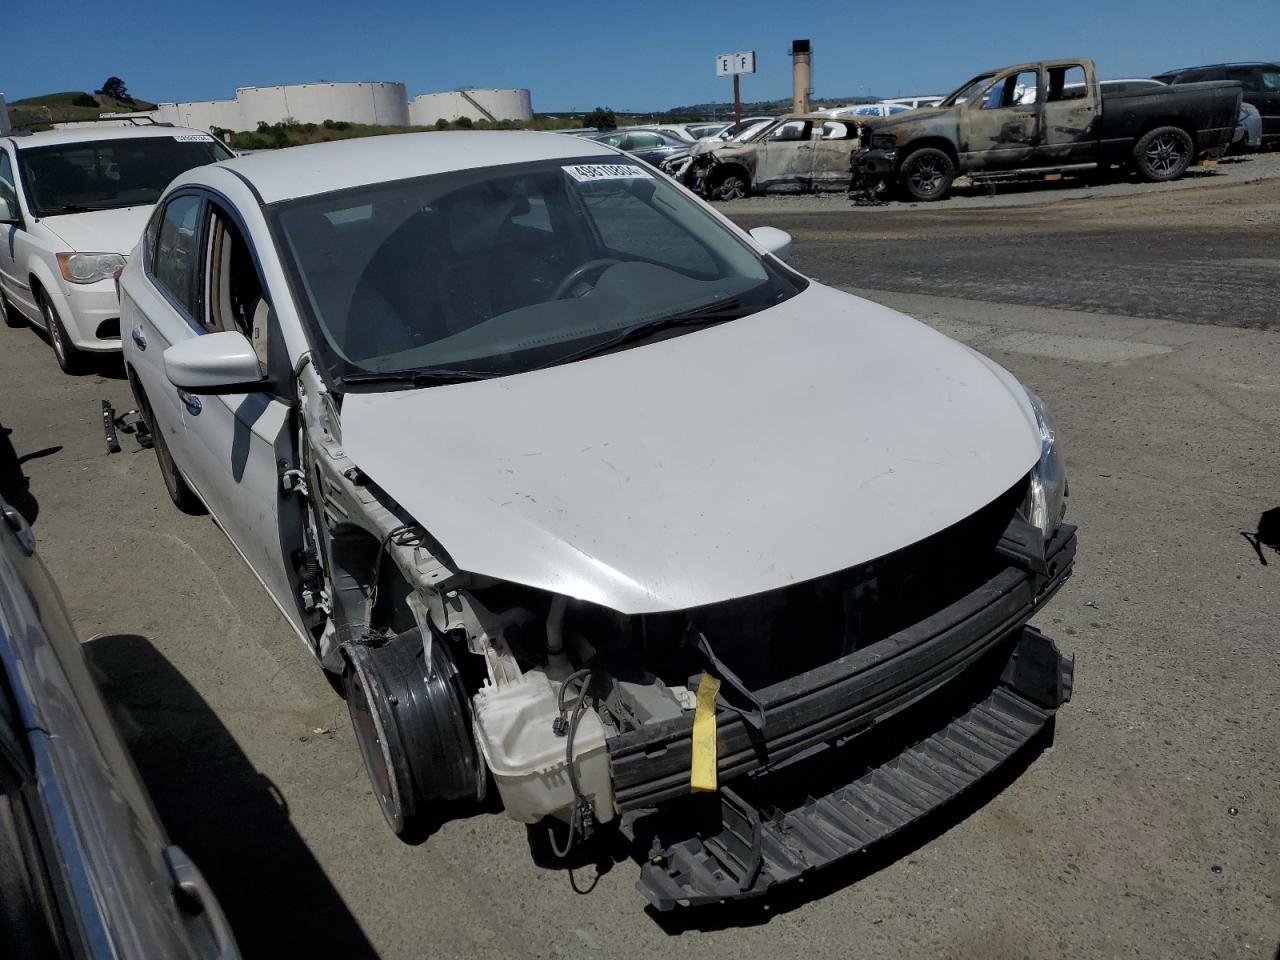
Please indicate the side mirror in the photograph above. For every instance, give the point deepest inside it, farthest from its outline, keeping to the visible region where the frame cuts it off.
(8, 213)
(775, 241)
(214, 363)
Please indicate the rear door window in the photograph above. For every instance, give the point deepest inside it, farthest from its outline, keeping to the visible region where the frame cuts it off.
(175, 261)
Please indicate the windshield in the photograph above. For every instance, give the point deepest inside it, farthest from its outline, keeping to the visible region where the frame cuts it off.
(503, 269)
(968, 91)
(104, 174)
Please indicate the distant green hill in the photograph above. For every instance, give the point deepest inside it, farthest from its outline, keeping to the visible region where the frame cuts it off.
(35, 113)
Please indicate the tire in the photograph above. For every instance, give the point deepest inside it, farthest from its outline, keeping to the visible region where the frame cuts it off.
(1163, 154)
(413, 727)
(70, 360)
(183, 497)
(926, 174)
(732, 186)
(12, 318)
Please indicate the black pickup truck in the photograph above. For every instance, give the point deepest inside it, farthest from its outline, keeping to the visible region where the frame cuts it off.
(1044, 117)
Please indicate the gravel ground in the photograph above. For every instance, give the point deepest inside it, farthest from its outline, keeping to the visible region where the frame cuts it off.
(968, 196)
(1149, 829)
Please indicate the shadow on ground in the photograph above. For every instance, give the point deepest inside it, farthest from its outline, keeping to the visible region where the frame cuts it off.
(15, 488)
(1267, 535)
(225, 814)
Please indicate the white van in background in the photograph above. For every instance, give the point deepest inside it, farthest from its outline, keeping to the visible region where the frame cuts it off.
(72, 205)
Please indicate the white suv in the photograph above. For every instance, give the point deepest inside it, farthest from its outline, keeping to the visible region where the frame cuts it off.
(72, 205)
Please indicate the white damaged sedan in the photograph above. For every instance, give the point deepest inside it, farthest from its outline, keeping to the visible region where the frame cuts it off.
(587, 496)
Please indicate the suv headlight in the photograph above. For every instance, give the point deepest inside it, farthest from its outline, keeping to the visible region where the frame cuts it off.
(1046, 496)
(89, 267)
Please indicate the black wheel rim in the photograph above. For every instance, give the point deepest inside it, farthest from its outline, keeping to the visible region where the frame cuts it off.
(926, 176)
(1165, 154)
(373, 747)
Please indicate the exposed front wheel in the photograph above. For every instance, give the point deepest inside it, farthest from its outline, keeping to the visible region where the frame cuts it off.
(413, 725)
(926, 174)
(731, 186)
(1163, 154)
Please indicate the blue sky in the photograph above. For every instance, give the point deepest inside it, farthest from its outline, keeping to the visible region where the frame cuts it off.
(631, 56)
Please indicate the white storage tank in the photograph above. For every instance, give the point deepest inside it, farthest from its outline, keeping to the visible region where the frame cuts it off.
(478, 103)
(204, 115)
(379, 104)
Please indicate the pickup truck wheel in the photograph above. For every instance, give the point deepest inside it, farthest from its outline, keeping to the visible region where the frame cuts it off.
(926, 174)
(69, 358)
(12, 318)
(413, 726)
(1163, 154)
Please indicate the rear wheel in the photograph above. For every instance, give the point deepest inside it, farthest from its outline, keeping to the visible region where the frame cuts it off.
(413, 726)
(926, 174)
(12, 318)
(1163, 154)
(183, 497)
(69, 358)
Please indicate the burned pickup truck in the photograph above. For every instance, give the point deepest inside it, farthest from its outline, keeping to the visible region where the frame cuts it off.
(1045, 117)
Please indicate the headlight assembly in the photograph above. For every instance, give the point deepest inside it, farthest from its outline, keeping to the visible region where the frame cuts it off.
(89, 267)
(1046, 495)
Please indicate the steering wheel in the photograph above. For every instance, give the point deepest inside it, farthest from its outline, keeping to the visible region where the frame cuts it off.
(581, 271)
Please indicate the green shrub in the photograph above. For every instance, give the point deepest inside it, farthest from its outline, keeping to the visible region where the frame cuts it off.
(442, 124)
(463, 123)
(83, 100)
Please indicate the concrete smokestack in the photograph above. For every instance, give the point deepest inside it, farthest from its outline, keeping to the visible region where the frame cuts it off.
(801, 76)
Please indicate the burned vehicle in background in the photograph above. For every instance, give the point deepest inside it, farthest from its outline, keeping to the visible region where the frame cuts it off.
(1045, 117)
(799, 152)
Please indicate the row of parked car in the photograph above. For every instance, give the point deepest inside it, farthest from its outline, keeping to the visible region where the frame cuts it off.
(548, 609)
(1030, 119)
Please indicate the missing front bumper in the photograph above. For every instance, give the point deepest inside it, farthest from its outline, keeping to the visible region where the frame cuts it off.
(837, 800)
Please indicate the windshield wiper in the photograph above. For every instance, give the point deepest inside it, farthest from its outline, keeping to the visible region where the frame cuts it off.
(67, 208)
(416, 378)
(713, 313)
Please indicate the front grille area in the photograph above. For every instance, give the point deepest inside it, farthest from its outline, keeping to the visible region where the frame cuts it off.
(836, 615)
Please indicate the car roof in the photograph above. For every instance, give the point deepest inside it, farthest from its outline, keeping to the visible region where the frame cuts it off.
(1215, 66)
(94, 134)
(293, 172)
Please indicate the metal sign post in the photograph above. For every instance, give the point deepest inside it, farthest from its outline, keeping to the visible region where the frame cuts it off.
(733, 64)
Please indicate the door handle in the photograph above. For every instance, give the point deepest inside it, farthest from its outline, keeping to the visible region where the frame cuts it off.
(190, 882)
(21, 531)
(139, 339)
(191, 402)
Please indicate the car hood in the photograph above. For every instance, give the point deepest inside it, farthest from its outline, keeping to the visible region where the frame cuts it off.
(101, 231)
(804, 439)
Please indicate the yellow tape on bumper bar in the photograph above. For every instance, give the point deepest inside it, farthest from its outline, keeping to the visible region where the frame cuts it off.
(702, 772)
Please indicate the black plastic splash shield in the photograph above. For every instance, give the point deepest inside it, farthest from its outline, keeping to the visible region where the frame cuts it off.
(765, 833)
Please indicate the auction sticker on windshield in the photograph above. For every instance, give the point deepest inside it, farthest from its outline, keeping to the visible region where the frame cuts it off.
(193, 138)
(587, 172)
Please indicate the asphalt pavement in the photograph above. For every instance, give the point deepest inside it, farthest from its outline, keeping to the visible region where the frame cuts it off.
(1149, 828)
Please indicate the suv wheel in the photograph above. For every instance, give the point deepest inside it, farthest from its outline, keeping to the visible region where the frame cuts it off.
(69, 358)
